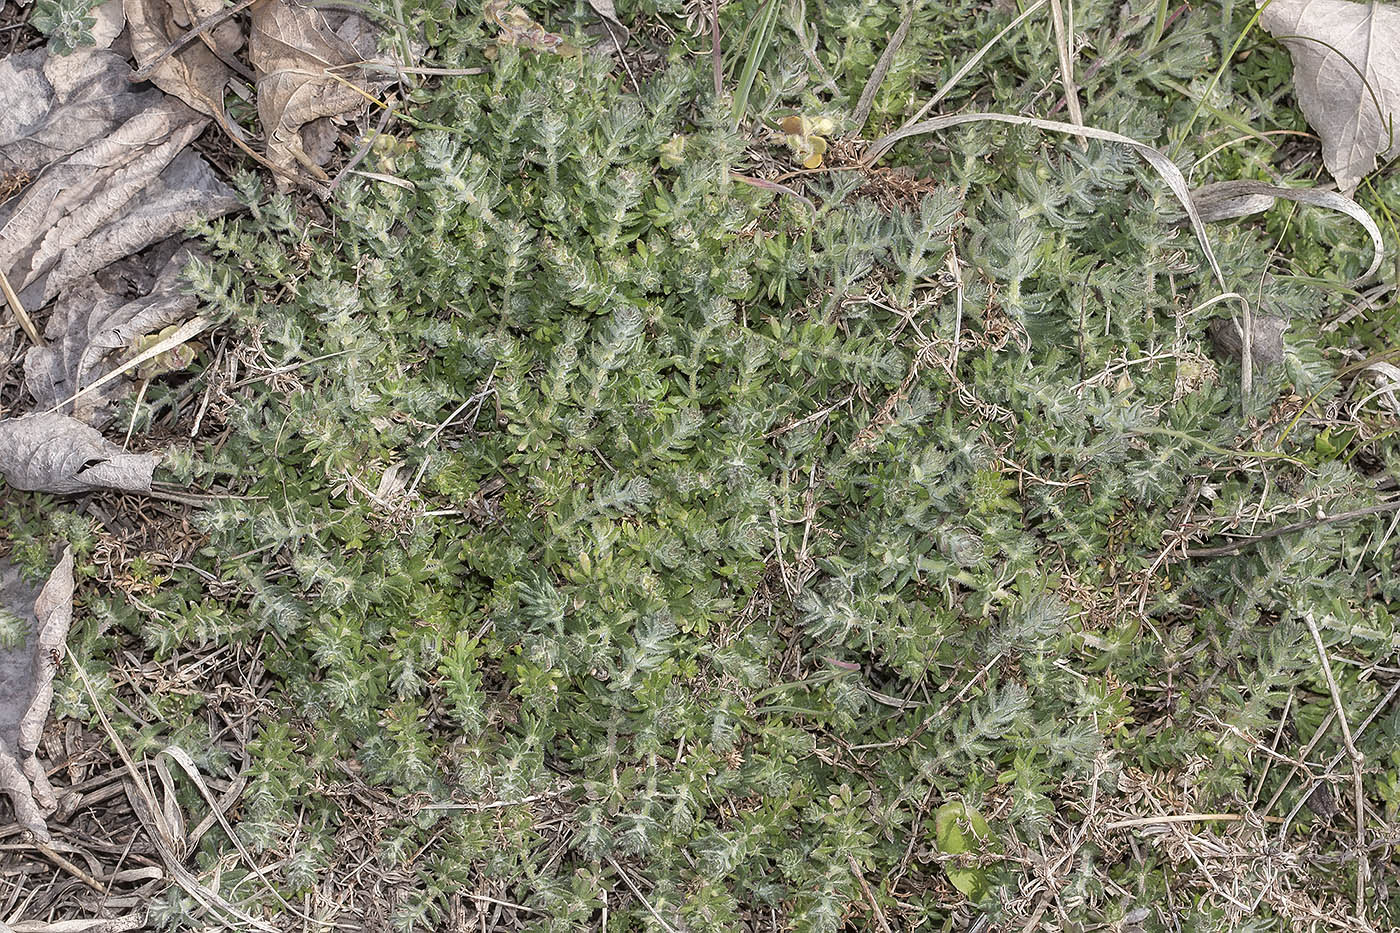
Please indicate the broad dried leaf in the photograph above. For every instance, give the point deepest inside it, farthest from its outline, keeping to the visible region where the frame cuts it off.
(1346, 73)
(615, 34)
(305, 71)
(56, 105)
(194, 73)
(26, 685)
(92, 331)
(120, 194)
(54, 453)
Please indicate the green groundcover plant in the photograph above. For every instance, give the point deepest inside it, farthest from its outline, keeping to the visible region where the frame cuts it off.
(681, 553)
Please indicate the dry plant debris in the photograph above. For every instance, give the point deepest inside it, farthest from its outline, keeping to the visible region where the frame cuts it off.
(966, 841)
(49, 452)
(305, 72)
(1346, 74)
(27, 667)
(93, 330)
(113, 171)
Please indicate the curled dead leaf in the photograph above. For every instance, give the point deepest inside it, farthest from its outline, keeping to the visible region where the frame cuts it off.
(1228, 199)
(1385, 376)
(54, 453)
(307, 69)
(1346, 74)
(195, 74)
(57, 105)
(115, 196)
(27, 669)
(93, 330)
(518, 29)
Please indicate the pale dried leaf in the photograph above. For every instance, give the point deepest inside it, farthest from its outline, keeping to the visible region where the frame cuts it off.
(56, 105)
(1265, 343)
(1346, 74)
(91, 332)
(137, 186)
(520, 30)
(194, 73)
(1386, 377)
(305, 71)
(54, 453)
(109, 19)
(615, 35)
(1229, 199)
(26, 685)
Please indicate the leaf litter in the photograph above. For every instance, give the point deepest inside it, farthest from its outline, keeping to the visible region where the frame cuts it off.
(1346, 75)
(106, 171)
(91, 331)
(27, 667)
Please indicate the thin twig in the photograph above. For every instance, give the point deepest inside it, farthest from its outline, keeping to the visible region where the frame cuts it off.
(17, 307)
(1175, 818)
(1363, 866)
(869, 894)
(198, 29)
(814, 416)
(363, 151)
(1243, 543)
(636, 892)
(67, 865)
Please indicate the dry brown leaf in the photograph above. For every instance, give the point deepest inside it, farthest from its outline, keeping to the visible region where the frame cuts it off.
(1346, 74)
(93, 330)
(54, 453)
(56, 105)
(305, 71)
(194, 73)
(26, 685)
(116, 196)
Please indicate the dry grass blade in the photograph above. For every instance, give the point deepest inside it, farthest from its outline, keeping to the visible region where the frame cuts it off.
(185, 332)
(1064, 40)
(1358, 761)
(774, 186)
(882, 68)
(1157, 159)
(132, 921)
(1228, 199)
(880, 148)
(17, 308)
(148, 810)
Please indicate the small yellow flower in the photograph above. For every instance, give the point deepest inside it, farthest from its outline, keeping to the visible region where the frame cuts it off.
(805, 137)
